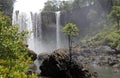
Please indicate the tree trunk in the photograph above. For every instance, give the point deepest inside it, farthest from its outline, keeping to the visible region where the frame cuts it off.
(70, 49)
(118, 24)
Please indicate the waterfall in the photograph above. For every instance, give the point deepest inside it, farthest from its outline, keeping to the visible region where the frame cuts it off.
(58, 38)
(40, 29)
(27, 21)
(31, 37)
(38, 33)
(32, 23)
(24, 20)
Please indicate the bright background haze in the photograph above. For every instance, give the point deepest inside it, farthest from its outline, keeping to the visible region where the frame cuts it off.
(29, 5)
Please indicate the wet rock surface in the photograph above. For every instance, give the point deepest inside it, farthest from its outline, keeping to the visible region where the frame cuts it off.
(57, 65)
(32, 55)
(99, 55)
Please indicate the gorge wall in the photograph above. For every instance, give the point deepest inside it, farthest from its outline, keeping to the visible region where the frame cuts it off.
(46, 31)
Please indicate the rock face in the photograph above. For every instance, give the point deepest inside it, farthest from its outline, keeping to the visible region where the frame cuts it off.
(77, 16)
(57, 65)
(48, 26)
(99, 55)
(32, 55)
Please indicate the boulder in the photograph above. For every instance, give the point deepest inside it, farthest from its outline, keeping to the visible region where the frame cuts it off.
(57, 65)
(42, 56)
(32, 69)
(104, 50)
(32, 55)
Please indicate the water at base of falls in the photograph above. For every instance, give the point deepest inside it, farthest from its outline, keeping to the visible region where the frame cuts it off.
(105, 72)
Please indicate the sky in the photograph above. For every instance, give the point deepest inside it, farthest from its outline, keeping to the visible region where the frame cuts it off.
(29, 5)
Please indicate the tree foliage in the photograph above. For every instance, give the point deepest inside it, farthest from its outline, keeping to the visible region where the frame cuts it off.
(65, 5)
(10, 38)
(116, 2)
(55, 5)
(13, 52)
(51, 6)
(70, 30)
(109, 37)
(115, 15)
(6, 6)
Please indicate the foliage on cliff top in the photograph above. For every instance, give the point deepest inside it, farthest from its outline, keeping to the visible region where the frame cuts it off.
(109, 37)
(115, 15)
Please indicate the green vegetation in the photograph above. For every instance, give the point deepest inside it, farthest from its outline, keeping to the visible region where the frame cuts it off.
(115, 15)
(13, 51)
(6, 6)
(56, 5)
(71, 31)
(108, 36)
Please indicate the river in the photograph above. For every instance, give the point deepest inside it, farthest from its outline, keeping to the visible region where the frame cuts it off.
(105, 72)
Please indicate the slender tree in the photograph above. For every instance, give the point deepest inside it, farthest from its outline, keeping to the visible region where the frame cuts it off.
(71, 31)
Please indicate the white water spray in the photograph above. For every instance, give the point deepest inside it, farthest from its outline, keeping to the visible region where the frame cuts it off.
(25, 22)
(33, 24)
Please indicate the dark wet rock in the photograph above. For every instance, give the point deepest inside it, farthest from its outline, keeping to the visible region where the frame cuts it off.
(104, 50)
(116, 65)
(118, 55)
(32, 69)
(94, 75)
(57, 65)
(32, 55)
(25, 44)
(100, 55)
(42, 56)
(117, 51)
(114, 62)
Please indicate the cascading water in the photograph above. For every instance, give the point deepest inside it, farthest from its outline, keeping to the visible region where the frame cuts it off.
(37, 29)
(32, 23)
(31, 37)
(58, 38)
(24, 20)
